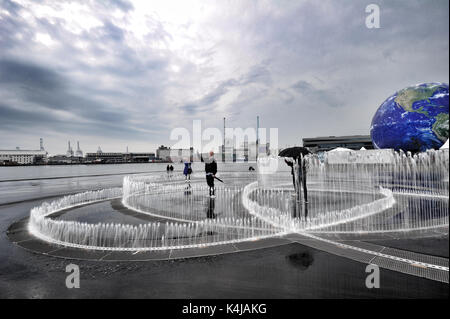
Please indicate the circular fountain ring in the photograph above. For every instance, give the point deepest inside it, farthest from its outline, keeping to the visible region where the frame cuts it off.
(268, 217)
(196, 238)
(43, 227)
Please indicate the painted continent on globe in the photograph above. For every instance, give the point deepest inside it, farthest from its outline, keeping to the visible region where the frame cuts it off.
(413, 119)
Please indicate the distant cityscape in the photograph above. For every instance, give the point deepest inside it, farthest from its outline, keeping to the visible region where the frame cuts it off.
(247, 152)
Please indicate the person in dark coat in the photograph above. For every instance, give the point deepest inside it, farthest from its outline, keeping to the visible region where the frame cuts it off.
(301, 176)
(303, 170)
(291, 165)
(211, 170)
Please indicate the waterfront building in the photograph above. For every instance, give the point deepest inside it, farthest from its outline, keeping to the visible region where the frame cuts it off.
(22, 157)
(139, 157)
(327, 143)
(168, 154)
(106, 158)
(117, 158)
(163, 153)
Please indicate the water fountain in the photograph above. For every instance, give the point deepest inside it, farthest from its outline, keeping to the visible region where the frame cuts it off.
(365, 192)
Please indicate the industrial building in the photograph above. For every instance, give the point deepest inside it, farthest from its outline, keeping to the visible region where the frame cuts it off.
(163, 153)
(139, 157)
(246, 153)
(24, 157)
(100, 157)
(70, 157)
(327, 143)
(168, 154)
(64, 159)
(116, 158)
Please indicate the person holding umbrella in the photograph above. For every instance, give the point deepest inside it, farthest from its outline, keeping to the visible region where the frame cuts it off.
(211, 170)
(302, 173)
(295, 155)
(290, 162)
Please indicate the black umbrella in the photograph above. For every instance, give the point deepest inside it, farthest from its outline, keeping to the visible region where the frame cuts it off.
(294, 152)
(218, 179)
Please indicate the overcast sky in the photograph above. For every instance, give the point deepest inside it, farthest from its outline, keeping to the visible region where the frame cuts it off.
(118, 73)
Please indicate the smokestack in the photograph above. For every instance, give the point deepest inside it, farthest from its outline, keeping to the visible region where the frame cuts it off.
(69, 150)
(41, 144)
(79, 152)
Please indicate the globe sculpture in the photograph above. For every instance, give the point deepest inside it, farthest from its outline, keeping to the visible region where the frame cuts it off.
(413, 119)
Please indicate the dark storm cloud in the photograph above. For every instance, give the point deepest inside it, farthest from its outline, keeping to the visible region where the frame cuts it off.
(28, 76)
(258, 74)
(36, 85)
(22, 120)
(327, 97)
(12, 118)
(210, 98)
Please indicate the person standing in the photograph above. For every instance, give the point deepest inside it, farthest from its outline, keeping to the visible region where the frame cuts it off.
(290, 163)
(303, 170)
(170, 170)
(187, 173)
(211, 170)
(298, 165)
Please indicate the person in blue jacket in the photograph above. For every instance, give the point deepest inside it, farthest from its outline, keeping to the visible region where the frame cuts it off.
(187, 171)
